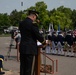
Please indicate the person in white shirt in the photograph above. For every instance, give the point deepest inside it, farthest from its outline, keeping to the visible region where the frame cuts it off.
(18, 39)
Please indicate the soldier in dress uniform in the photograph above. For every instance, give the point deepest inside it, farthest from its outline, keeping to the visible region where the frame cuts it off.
(28, 46)
(54, 42)
(69, 39)
(60, 44)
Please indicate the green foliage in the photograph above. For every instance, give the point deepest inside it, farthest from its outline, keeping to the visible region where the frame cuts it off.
(4, 20)
(15, 17)
(62, 16)
(41, 7)
(74, 18)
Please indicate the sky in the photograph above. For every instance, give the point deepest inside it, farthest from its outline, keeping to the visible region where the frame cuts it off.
(7, 6)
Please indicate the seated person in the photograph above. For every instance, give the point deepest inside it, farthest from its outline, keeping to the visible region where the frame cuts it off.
(1, 65)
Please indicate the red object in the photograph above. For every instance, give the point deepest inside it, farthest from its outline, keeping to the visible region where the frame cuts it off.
(74, 32)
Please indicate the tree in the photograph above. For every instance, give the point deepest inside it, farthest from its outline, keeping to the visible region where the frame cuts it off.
(67, 11)
(58, 17)
(62, 16)
(15, 17)
(73, 16)
(41, 7)
(4, 20)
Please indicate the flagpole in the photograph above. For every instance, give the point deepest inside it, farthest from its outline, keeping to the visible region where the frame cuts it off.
(21, 5)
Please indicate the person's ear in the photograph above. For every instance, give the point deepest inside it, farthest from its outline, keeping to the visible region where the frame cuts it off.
(33, 16)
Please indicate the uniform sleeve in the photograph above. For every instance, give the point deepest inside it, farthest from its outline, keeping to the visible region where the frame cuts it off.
(38, 36)
(16, 36)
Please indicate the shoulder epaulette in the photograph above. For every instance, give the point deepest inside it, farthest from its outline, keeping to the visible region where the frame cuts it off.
(34, 22)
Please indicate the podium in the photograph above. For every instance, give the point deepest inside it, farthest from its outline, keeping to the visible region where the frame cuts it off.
(38, 61)
(38, 64)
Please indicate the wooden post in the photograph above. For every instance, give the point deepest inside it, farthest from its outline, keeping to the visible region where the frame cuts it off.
(38, 62)
(18, 54)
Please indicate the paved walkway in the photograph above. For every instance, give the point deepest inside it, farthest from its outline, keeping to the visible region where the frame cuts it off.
(66, 65)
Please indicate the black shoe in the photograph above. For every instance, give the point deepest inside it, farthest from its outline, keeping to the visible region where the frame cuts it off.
(1, 73)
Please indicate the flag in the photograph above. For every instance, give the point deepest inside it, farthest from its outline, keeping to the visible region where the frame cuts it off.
(58, 29)
(51, 29)
(74, 33)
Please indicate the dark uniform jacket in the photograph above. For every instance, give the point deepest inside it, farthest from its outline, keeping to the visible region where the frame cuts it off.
(54, 38)
(60, 39)
(29, 36)
(69, 39)
(74, 39)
